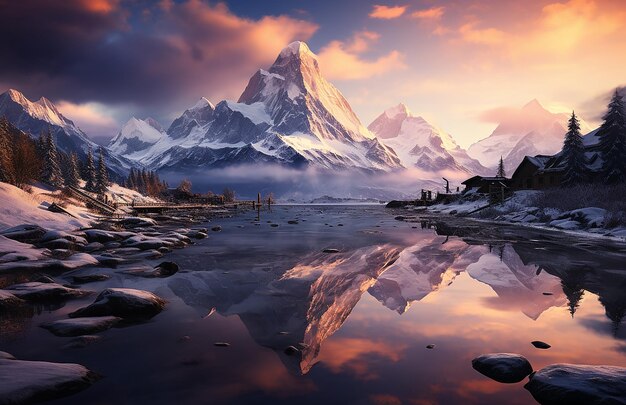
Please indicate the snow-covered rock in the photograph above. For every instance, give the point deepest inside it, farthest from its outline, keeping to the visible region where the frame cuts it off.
(25, 382)
(578, 385)
(503, 367)
(34, 291)
(421, 145)
(123, 303)
(288, 115)
(81, 326)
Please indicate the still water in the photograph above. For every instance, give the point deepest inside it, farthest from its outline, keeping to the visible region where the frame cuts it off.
(361, 317)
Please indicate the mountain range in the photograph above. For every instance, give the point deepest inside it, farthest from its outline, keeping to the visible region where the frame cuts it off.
(35, 118)
(291, 116)
(530, 130)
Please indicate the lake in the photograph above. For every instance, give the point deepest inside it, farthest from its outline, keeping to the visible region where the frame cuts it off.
(349, 326)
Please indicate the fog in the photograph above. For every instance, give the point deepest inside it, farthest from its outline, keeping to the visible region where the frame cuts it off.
(305, 184)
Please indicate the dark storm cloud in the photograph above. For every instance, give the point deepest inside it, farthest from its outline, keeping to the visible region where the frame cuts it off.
(141, 53)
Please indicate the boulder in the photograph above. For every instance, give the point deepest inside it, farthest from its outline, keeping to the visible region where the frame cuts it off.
(26, 233)
(35, 291)
(81, 326)
(578, 385)
(23, 382)
(540, 345)
(98, 235)
(503, 367)
(123, 303)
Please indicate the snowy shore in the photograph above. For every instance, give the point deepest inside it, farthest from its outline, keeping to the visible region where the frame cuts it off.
(520, 210)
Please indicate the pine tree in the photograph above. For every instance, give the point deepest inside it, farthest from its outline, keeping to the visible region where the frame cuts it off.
(102, 177)
(51, 172)
(501, 172)
(72, 177)
(90, 173)
(574, 154)
(612, 135)
(7, 171)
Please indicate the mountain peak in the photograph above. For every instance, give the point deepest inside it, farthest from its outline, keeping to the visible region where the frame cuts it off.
(202, 103)
(533, 104)
(296, 48)
(399, 109)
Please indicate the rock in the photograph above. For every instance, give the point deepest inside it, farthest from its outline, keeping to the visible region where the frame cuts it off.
(82, 341)
(81, 326)
(9, 301)
(274, 225)
(162, 270)
(292, 351)
(431, 346)
(197, 233)
(547, 293)
(330, 250)
(24, 382)
(94, 246)
(166, 269)
(123, 303)
(540, 345)
(60, 244)
(503, 367)
(98, 235)
(26, 233)
(578, 385)
(293, 222)
(137, 222)
(221, 344)
(90, 278)
(400, 218)
(6, 356)
(216, 228)
(111, 245)
(35, 291)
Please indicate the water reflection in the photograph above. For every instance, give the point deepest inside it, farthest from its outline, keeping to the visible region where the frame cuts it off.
(306, 300)
(360, 318)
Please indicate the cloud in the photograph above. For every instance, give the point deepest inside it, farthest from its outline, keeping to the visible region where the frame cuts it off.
(560, 28)
(433, 13)
(488, 36)
(342, 60)
(93, 118)
(387, 12)
(159, 56)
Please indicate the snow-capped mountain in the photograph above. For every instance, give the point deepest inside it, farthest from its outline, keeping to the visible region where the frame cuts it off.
(35, 118)
(136, 135)
(288, 115)
(421, 145)
(531, 130)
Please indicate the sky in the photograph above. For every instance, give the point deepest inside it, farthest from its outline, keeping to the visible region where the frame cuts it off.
(455, 62)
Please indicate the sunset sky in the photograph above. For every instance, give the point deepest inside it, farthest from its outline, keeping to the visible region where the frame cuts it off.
(457, 63)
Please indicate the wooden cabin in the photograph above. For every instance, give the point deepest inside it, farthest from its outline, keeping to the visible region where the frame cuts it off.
(531, 174)
(484, 185)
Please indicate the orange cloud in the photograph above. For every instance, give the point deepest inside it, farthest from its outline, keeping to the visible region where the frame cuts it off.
(433, 13)
(90, 117)
(342, 59)
(487, 36)
(387, 12)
